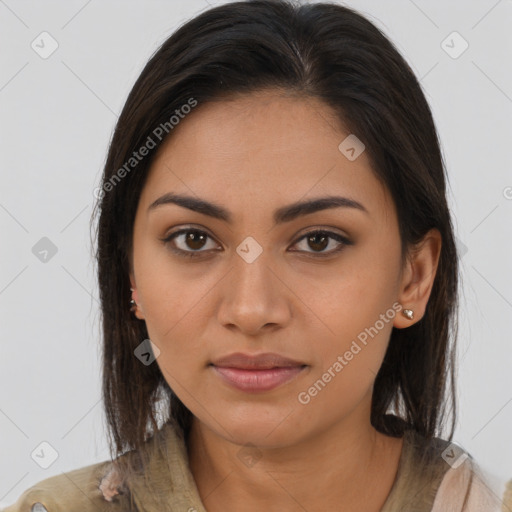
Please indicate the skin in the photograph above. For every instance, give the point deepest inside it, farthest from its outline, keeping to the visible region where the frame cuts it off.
(252, 155)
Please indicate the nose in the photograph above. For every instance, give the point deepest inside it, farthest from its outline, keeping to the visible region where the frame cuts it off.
(255, 297)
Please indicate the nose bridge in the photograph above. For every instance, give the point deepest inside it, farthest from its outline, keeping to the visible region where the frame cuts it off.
(253, 296)
(252, 276)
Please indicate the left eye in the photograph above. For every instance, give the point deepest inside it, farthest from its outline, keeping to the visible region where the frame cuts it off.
(320, 239)
(195, 239)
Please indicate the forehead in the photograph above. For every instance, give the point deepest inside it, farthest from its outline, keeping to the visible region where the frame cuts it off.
(269, 146)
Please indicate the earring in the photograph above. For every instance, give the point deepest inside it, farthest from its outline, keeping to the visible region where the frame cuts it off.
(133, 304)
(408, 313)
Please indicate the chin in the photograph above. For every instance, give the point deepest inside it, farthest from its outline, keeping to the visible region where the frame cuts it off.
(264, 429)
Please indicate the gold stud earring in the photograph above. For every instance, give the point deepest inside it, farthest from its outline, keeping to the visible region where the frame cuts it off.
(408, 313)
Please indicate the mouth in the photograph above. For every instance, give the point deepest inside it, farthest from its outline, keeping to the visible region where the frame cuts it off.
(262, 372)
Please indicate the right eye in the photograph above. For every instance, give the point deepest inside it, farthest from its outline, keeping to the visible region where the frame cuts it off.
(191, 241)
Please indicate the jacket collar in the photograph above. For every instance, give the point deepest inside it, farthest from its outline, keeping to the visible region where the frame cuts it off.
(167, 483)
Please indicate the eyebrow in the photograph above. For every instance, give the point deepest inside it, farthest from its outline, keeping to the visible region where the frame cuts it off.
(284, 214)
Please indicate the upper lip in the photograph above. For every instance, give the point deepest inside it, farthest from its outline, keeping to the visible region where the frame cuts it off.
(256, 362)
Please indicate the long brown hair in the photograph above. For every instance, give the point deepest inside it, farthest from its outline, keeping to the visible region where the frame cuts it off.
(320, 50)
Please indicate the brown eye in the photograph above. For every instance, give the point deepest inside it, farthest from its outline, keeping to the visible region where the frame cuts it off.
(319, 240)
(189, 242)
(195, 240)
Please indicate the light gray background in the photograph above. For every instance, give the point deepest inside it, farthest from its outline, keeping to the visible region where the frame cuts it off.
(57, 115)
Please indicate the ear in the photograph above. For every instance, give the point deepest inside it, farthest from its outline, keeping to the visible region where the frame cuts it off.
(135, 297)
(418, 277)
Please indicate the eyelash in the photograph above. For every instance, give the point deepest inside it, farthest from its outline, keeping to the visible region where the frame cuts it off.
(195, 254)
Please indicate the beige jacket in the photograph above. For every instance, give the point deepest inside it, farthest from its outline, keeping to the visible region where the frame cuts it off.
(168, 485)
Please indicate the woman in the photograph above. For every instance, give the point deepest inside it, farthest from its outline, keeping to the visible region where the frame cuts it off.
(274, 207)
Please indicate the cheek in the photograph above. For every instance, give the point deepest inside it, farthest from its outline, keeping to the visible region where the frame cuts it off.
(175, 319)
(353, 318)
(348, 362)
(348, 298)
(169, 301)
(168, 288)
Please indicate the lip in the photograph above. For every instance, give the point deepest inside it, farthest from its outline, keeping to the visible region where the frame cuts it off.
(257, 373)
(264, 361)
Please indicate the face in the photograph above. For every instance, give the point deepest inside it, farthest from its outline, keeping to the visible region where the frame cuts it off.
(243, 283)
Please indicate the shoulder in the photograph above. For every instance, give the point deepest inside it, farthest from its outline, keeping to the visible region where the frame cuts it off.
(469, 485)
(443, 477)
(99, 487)
(90, 488)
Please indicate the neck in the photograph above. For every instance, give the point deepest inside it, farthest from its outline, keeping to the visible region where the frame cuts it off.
(330, 470)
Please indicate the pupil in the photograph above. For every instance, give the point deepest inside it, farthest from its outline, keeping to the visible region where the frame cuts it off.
(194, 237)
(323, 238)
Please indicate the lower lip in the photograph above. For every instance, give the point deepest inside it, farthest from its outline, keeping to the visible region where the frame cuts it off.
(258, 380)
